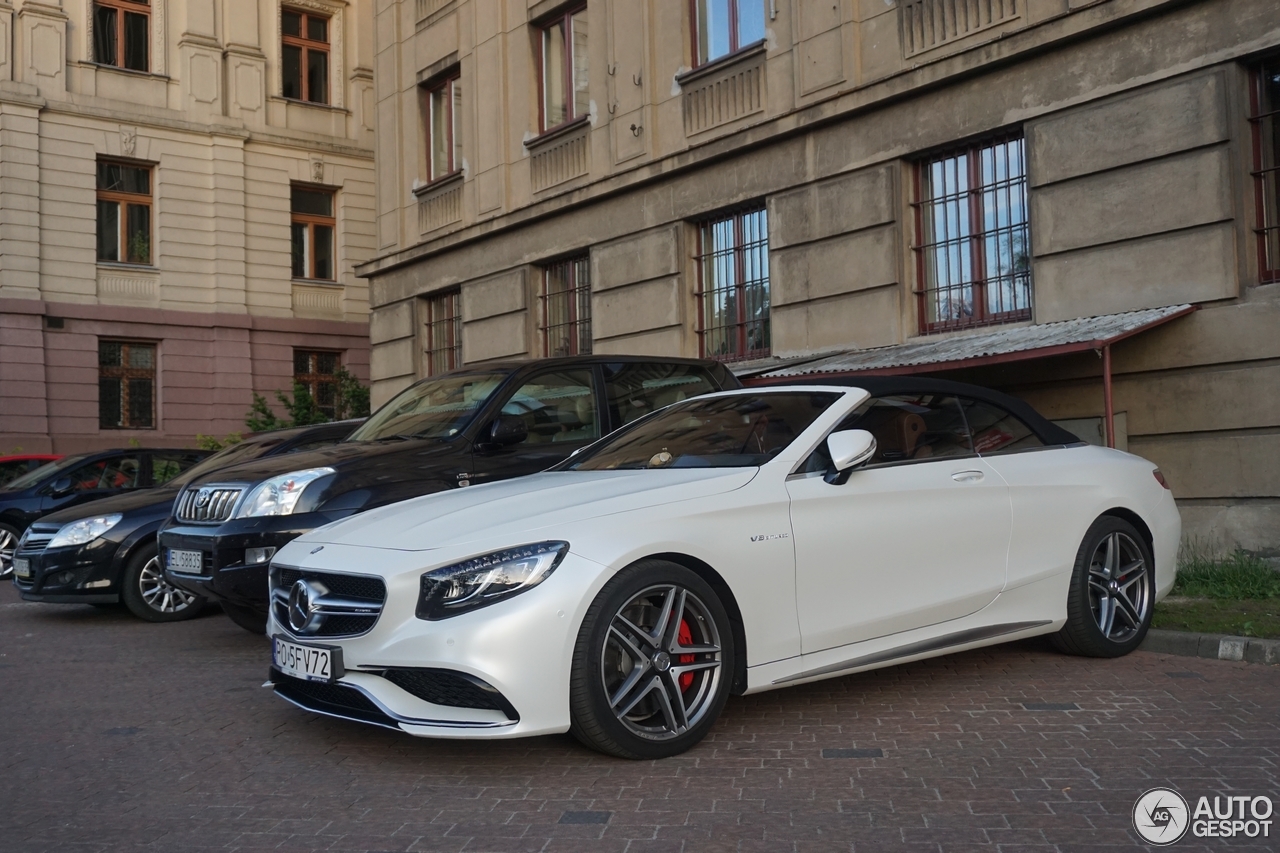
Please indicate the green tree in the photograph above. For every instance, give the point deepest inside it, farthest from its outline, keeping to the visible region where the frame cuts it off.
(352, 401)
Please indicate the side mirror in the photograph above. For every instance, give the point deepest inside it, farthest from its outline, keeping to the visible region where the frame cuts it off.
(506, 429)
(850, 448)
(60, 487)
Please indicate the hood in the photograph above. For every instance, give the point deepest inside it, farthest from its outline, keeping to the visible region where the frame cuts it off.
(159, 498)
(385, 457)
(502, 512)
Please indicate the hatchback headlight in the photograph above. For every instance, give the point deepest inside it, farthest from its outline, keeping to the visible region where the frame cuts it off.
(84, 530)
(481, 581)
(279, 495)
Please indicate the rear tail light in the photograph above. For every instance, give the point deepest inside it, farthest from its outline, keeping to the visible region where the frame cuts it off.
(1160, 478)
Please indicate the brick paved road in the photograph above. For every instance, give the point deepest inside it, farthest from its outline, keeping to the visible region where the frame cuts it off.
(124, 736)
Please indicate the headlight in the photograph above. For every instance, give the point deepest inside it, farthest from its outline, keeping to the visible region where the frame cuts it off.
(84, 530)
(481, 581)
(279, 495)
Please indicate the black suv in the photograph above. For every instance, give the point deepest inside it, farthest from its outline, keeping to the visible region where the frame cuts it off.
(459, 429)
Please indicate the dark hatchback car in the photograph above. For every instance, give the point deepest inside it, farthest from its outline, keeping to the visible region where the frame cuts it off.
(451, 431)
(79, 479)
(13, 467)
(105, 552)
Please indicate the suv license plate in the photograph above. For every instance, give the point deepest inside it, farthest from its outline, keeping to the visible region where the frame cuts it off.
(186, 561)
(312, 663)
(22, 567)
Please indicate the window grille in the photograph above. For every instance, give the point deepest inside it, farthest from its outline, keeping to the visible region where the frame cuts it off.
(1264, 120)
(566, 307)
(733, 296)
(126, 385)
(444, 332)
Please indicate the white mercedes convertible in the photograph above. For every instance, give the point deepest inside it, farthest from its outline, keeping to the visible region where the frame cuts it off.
(730, 543)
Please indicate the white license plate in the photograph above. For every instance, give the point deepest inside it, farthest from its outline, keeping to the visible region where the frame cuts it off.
(186, 561)
(22, 567)
(313, 663)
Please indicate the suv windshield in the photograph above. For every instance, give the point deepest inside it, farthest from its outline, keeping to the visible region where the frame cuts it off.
(225, 458)
(736, 431)
(30, 478)
(437, 408)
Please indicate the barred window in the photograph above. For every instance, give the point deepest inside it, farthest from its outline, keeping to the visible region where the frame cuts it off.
(566, 307)
(316, 371)
(304, 56)
(126, 385)
(733, 294)
(973, 250)
(1265, 120)
(444, 332)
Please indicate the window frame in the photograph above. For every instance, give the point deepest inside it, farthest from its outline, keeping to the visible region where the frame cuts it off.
(740, 248)
(1268, 267)
(565, 19)
(578, 321)
(449, 322)
(313, 378)
(976, 238)
(307, 45)
(311, 220)
(124, 199)
(734, 36)
(444, 83)
(125, 374)
(135, 7)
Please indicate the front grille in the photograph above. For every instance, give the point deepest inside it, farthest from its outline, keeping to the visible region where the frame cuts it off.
(445, 687)
(33, 542)
(350, 605)
(335, 699)
(207, 504)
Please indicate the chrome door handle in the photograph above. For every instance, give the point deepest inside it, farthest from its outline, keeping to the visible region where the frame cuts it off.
(967, 476)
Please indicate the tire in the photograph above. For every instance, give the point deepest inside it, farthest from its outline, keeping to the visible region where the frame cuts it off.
(246, 617)
(9, 537)
(152, 598)
(1112, 593)
(629, 651)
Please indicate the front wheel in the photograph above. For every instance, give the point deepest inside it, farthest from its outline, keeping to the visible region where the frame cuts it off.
(1112, 594)
(9, 537)
(653, 663)
(149, 596)
(246, 617)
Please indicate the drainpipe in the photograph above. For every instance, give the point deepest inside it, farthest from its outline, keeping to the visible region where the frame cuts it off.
(1108, 406)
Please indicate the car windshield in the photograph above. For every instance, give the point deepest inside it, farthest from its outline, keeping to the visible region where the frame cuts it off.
(737, 431)
(225, 458)
(437, 408)
(30, 478)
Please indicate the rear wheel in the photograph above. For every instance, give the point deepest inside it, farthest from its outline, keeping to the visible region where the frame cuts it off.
(246, 617)
(9, 537)
(1112, 592)
(149, 596)
(653, 663)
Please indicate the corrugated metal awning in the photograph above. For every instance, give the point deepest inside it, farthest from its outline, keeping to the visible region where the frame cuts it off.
(991, 346)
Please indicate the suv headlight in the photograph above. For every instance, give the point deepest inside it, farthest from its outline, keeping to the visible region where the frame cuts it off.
(84, 530)
(279, 495)
(481, 581)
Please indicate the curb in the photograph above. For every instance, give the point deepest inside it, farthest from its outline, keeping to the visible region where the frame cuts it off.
(1213, 646)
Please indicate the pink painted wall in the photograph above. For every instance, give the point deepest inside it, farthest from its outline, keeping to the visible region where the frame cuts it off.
(208, 366)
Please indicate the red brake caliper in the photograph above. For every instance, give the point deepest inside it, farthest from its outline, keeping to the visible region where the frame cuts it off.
(685, 638)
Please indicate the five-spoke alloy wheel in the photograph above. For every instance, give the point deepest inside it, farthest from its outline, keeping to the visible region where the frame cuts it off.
(653, 663)
(1112, 591)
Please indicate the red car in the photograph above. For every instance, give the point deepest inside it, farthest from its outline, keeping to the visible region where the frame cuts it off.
(20, 463)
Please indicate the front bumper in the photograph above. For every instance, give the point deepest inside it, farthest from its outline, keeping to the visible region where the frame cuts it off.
(79, 574)
(225, 576)
(521, 648)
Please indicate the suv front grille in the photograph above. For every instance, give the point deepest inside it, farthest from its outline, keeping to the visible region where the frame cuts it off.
(344, 605)
(208, 503)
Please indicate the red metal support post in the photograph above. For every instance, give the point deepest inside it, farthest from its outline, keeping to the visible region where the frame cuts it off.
(1108, 405)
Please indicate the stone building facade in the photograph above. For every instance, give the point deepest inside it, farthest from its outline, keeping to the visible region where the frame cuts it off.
(797, 185)
(186, 187)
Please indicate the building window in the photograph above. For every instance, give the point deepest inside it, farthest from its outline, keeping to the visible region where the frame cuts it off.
(973, 252)
(733, 298)
(124, 212)
(563, 69)
(317, 372)
(121, 34)
(126, 385)
(313, 226)
(1265, 120)
(304, 56)
(442, 105)
(444, 332)
(722, 27)
(566, 307)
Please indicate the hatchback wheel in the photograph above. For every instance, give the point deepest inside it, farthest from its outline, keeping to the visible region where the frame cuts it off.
(9, 537)
(1112, 593)
(149, 596)
(653, 663)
